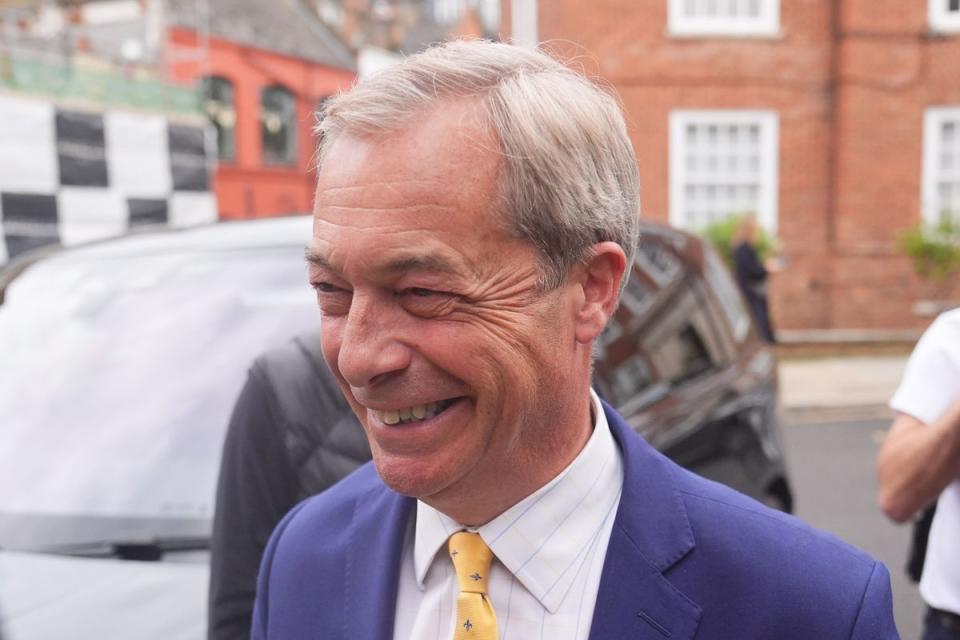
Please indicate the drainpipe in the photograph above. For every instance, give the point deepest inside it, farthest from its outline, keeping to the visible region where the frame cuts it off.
(833, 151)
(523, 22)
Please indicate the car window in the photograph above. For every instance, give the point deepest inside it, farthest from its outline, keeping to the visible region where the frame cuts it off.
(637, 296)
(118, 376)
(658, 262)
(681, 356)
(669, 347)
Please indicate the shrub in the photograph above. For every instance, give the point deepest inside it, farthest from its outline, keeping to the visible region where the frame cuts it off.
(934, 248)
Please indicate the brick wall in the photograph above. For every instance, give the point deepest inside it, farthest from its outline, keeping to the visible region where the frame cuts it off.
(890, 69)
(850, 85)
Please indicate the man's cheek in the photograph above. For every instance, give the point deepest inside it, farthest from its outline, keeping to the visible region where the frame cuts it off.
(330, 346)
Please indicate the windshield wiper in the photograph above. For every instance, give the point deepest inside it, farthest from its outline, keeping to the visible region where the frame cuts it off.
(150, 549)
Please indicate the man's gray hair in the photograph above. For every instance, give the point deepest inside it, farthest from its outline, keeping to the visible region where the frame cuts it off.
(569, 177)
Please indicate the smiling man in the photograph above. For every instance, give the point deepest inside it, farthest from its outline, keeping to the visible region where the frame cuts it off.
(459, 362)
(476, 211)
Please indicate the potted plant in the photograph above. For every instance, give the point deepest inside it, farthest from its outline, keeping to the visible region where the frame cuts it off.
(934, 251)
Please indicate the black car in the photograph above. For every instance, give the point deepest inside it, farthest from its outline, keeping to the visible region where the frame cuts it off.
(120, 362)
(682, 363)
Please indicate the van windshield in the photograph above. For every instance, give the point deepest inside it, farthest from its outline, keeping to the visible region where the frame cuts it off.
(118, 373)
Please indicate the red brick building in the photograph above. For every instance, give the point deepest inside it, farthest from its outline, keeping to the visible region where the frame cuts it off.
(838, 123)
(265, 68)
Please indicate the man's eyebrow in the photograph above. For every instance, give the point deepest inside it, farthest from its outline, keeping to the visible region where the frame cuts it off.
(418, 263)
(398, 265)
(317, 260)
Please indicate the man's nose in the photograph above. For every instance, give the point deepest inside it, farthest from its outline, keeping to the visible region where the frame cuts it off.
(371, 348)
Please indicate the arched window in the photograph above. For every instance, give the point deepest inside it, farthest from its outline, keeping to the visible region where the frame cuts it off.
(278, 130)
(219, 106)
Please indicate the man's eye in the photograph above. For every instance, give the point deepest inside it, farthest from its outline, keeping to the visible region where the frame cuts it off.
(332, 300)
(325, 287)
(419, 292)
(427, 303)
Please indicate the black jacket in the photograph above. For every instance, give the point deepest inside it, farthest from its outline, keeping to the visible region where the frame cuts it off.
(291, 435)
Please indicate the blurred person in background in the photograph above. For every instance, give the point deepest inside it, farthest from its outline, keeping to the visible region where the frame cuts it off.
(291, 435)
(752, 273)
(476, 212)
(919, 464)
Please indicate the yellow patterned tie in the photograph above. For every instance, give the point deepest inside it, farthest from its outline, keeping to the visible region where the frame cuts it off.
(471, 559)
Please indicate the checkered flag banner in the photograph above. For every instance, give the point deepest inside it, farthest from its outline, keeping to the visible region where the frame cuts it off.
(68, 177)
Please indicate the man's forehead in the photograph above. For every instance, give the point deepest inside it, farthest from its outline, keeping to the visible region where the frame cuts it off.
(450, 133)
(418, 199)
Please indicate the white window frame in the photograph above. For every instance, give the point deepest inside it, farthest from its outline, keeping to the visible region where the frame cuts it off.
(933, 120)
(524, 22)
(680, 24)
(489, 11)
(941, 19)
(448, 11)
(768, 121)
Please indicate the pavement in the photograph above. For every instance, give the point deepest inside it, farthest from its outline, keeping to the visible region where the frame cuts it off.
(840, 387)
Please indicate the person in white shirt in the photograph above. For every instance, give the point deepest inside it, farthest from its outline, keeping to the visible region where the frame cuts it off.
(476, 215)
(919, 464)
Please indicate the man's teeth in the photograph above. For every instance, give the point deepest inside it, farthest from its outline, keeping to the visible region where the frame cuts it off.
(413, 414)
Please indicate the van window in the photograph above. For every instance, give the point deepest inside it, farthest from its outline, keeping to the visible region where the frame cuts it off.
(681, 356)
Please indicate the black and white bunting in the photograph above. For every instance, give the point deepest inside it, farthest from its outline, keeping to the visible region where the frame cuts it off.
(70, 176)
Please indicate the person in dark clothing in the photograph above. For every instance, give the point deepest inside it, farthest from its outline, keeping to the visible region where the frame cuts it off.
(291, 435)
(751, 274)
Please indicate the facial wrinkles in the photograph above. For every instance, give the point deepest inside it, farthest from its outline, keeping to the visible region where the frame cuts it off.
(495, 297)
(508, 292)
(503, 305)
(507, 326)
(369, 190)
(358, 254)
(510, 327)
(376, 222)
(486, 277)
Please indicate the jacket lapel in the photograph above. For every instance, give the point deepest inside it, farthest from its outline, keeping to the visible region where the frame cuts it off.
(374, 553)
(650, 534)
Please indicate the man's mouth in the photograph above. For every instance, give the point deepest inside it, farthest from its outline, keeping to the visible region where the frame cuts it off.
(415, 413)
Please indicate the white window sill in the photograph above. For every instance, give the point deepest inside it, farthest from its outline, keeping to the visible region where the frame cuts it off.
(944, 29)
(701, 34)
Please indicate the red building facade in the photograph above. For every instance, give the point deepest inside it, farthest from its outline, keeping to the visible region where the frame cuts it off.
(837, 123)
(263, 88)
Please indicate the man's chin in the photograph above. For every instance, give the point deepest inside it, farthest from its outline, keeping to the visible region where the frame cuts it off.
(407, 479)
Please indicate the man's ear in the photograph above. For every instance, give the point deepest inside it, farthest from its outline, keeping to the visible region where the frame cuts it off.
(600, 278)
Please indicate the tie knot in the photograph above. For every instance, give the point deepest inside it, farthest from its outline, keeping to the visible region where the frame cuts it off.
(471, 560)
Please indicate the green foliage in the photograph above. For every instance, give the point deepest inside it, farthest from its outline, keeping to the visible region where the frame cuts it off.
(721, 235)
(934, 248)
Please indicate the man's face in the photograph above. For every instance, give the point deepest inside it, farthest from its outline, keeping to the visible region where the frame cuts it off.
(457, 365)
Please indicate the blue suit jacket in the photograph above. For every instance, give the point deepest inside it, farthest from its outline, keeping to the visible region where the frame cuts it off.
(688, 558)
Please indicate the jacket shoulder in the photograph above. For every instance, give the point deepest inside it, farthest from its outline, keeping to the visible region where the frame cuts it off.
(709, 503)
(315, 567)
(786, 573)
(324, 515)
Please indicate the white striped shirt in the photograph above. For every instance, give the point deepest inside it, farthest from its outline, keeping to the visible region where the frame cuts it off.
(548, 550)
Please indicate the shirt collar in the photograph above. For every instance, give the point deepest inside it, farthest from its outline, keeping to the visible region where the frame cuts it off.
(524, 537)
